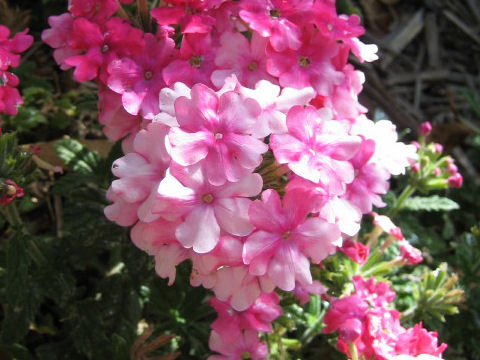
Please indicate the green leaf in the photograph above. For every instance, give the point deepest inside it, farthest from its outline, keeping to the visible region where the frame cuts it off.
(430, 203)
(76, 155)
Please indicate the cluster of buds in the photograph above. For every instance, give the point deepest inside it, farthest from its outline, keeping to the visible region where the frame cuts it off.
(10, 50)
(433, 171)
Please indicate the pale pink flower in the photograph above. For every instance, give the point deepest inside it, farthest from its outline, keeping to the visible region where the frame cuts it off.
(238, 287)
(317, 148)
(303, 291)
(139, 172)
(284, 239)
(230, 323)
(246, 346)
(205, 208)
(409, 253)
(216, 133)
(386, 224)
(370, 180)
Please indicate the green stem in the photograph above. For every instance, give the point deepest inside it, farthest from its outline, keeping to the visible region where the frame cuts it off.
(13, 216)
(352, 349)
(406, 193)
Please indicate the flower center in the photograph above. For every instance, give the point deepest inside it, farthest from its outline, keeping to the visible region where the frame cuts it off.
(304, 61)
(218, 136)
(246, 355)
(253, 66)
(195, 61)
(207, 198)
(148, 75)
(286, 235)
(11, 190)
(105, 48)
(274, 13)
(329, 27)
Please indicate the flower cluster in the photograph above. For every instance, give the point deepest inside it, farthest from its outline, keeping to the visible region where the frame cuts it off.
(246, 152)
(10, 50)
(367, 326)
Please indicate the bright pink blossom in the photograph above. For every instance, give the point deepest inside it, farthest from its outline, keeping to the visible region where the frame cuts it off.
(376, 294)
(417, 340)
(409, 253)
(284, 238)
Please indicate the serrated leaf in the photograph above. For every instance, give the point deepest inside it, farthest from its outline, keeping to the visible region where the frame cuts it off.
(430, 203)
(76, 155)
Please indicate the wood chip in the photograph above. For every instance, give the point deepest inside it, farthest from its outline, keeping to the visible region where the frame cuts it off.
(432, 40)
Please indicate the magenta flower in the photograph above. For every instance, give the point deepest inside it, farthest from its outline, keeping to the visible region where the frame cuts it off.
(95, 10)
(247, 60)
(139, 78)
(216, 133)
(376, 294)
(10, 100)
(284, 239)
(417, 340)
(309, 66)
(273, 19)
(317, 148)
(196, 62)
(246, 346)
(410, 254)
(205, 208)
(58, 36)
(355, 250)
(190, 17)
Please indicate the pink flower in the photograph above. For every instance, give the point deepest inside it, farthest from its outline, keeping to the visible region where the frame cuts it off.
(117, 123)
(370, 180)
(342, 310)
(376, 294)
(355, 250)
(95, 10)
(417, 340)
(10, 100)
(58, 36)
(239, 288)
(196, 62)
(316, 148)
(387, 225)
(216, 133)
(309, 66)
(285, 237)
(205, 208)
(139, 78)
(139, 172)
(190, 17)
(247, 60)
(10, 191)
(303, 291)
(230, 323)
(11, 48)
(271, 19)
(410, 254)
(246, 346)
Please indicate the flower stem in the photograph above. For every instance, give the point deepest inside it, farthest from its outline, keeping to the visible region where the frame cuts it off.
(352, 349)
(406, 193)
(13, 216)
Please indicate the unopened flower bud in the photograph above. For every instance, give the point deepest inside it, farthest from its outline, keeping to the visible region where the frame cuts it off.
(350, 331)
(425, 128)
(415, 167)
(438, 148)
(455, 181)
(452, 169)
(416, 144)
(436, 171)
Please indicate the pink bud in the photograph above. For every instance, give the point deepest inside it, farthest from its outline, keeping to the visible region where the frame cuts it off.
(436, 171)
(455, 181)
(409, 253)
(355, 250)
(425, 128)
(11, 191)
(350, 331)
(415, 167)
(452, 169)
(438, 148)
